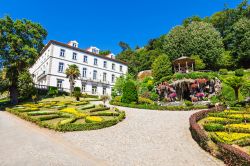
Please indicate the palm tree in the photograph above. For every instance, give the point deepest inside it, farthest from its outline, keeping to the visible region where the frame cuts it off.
(72, 73)
(236, 83)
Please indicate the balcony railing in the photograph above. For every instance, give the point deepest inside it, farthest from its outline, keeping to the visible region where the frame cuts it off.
(95, 80)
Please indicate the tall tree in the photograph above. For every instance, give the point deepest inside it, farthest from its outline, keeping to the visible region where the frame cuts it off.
(20, 43)
(161, 67)
(72, 73)
(124, 46)
(198, 38)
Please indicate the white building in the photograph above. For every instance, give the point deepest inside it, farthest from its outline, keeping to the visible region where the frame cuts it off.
(98, 72)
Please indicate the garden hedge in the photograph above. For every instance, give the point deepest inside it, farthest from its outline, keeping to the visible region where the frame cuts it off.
(230, 155)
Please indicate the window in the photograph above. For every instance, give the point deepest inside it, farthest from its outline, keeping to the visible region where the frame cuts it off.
(113, 78)
(74, 44)
(60, 67)
(95, 61)
(83, 87)
(84, 72)
(74, 56)
(94, 88)
(85, 59)
(113, 66)
(94, 75)
(62, 52)
(120, 68)
(105, 64)
(104, 91)
(104, 77)
(59, 84)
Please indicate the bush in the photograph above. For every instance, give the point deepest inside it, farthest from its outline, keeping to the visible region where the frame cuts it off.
(145, 101)
(93, 119)
(213, 127)
(53, 91)
(129, 93)
(118, 99)
(239, 72)
(77, 93)
(154, 96)
(188, 103)
(223, 71)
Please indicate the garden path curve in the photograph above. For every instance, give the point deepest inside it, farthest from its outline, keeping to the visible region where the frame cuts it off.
(145, 137)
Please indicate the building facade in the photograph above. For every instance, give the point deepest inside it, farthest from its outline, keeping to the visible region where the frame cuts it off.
(98, 72)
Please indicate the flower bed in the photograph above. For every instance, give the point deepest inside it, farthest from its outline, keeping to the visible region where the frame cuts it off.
(61, 116)
(223, 135)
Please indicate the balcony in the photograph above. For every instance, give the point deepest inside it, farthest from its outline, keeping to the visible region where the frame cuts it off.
(41, 75)
(95, 80)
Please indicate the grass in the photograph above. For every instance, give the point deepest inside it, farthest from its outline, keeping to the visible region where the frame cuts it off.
(71, 117)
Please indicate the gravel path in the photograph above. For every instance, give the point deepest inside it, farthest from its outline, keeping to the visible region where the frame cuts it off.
(24, 144)
(145, 137)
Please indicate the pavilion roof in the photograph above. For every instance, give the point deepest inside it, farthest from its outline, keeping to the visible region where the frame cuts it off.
(183, 60)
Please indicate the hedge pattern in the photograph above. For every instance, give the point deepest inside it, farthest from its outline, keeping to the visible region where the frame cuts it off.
(230, 155)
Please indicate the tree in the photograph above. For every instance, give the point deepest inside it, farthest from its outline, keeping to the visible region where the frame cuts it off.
(189, 20)
(120, 83)
(198, 38)
(72, 73)
(26, 86)
(199, 65)
(105, 52)
(236, 83)
(104, 99)
(129, 93)
(20, 43)
(161, 67)
(226, 61)
(124, 46)
(241, 42)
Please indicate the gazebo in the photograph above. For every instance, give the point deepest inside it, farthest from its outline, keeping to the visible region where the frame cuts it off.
(183, 65)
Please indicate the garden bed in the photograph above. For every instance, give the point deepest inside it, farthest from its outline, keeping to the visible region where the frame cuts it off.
(225, 134)
(68, 115)
(158, 107)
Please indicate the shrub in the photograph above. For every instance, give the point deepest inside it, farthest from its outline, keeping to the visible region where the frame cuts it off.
(154, 96)
(129, 93)
(53, 91)
(188, 103)
(93, 119)
(74, 112)
(145, 101)
(117, 99)
(223, 71)
(213, 127)
(77, 93)
(239, 72)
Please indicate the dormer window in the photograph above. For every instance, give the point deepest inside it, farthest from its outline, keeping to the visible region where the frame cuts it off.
(74, 44)
(95, 51)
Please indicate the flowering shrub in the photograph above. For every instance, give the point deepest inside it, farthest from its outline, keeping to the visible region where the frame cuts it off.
(230, 137)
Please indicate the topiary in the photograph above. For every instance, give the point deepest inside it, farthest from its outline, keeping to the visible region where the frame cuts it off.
(188, 103)
(77, 93)
(129, 93)
(239, 72)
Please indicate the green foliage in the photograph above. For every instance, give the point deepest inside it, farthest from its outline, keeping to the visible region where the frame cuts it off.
(188, 103)
(21, 42)
(198, 38)
(154, 96)
(199, 64)
(226, 60)
(213, 127)
(119, 84)
(72, 72)
(77, 93)
(145, 101)
(223, 71)
(53, 91)
(239, 72)
(129, 93)
(195, 75)
(25, 85)
(236, 83)
(161, 67)
(105, 52)
(118, 99)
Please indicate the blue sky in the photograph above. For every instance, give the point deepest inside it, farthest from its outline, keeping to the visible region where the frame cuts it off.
(105, 23)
